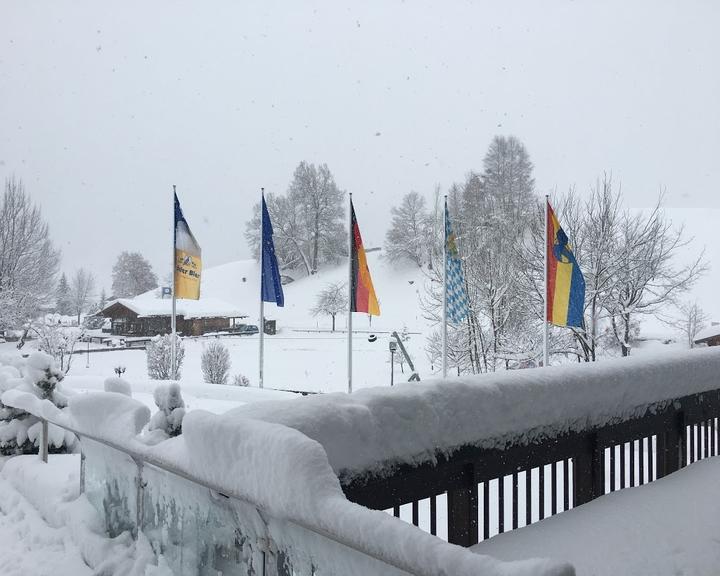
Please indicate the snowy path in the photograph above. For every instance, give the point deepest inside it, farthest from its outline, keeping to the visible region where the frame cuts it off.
(28, 545)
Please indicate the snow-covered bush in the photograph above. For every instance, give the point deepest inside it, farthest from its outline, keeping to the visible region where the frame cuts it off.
(118, 385)
(59, 342)
(171, 410)
(158, 357)
(215, 363)
(40, 376)
(240, 380)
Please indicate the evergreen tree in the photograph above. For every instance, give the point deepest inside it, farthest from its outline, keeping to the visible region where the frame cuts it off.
(63, 304)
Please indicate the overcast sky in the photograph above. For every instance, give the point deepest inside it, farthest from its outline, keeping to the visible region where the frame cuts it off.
(105, 105)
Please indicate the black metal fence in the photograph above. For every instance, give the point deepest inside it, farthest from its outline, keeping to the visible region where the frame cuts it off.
(489, 491)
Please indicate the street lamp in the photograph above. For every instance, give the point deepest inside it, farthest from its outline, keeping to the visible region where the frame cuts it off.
(393, 348)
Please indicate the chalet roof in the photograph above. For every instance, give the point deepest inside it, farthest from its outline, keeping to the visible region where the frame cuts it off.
(706, 333)
(203, 308)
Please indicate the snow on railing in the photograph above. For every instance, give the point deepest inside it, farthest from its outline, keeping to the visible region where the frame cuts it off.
(374, 429)
(271, 482)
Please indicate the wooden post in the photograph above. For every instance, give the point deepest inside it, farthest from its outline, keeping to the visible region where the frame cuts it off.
(671, 447)
(462, 510)
(44, 441)
(589, 471)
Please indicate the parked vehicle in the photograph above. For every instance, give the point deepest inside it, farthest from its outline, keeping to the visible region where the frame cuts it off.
(245, 330)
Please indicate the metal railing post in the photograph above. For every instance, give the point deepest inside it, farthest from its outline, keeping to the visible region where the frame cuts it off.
(44, 433)
(140, 498)
(82, 470)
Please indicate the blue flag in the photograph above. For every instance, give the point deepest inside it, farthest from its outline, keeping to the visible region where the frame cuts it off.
(271, 288)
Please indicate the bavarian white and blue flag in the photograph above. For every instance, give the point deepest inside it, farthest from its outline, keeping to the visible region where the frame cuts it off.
(270, 284)
(457, 302)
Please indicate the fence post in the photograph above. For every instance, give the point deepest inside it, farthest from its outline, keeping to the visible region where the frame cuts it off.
(44, 433)
(589, 471)
(82, 470)
(140, 498)
(462, 510)
(671, 447)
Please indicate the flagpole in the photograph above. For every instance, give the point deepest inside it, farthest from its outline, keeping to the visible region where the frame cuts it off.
(173, 352)
(262, 300)
(350, 291)
(546, 325)
(444, 308)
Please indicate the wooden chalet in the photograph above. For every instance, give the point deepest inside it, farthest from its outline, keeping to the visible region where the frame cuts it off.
(709, 335)
(151, 316)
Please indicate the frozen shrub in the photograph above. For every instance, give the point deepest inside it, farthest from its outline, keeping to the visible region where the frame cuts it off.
(215, 363)
(240, 380)
(41, 376)
(171, 410)
(158, 357)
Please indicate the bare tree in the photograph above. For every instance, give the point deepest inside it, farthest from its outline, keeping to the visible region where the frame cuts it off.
(308, 222)
(82, 288)
(59, 342)
(648, 278)
(132, 275)
(691, 320)
(28, 261)
(491, 213)
(331, 301)
(407, 238)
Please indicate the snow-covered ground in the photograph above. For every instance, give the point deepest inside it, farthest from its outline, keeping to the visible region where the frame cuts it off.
(48, 529)
(666, 528)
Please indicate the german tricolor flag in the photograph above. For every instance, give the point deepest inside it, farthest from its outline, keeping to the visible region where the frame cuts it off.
(362, 294)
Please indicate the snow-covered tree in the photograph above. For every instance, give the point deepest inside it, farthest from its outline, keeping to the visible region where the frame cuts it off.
(407, 238)
(649, 278)
(215, 363)
(63, 305)
(158, 354)
(102, 302)
(491, 213)
(331, 301)
(308, 222)
(689, 320)
(82, 288)
(28, 261)
(132, 275)
(171, 410)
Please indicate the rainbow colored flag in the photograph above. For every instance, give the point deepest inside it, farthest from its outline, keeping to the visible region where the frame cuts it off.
(362, 293)
(565, 297)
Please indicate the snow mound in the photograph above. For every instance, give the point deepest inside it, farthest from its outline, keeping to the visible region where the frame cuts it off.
(117, 385)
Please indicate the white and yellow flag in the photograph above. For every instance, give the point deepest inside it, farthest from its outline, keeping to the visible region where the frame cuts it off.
(188, 261)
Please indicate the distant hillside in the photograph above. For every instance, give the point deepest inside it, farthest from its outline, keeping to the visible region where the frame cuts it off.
(398, 289)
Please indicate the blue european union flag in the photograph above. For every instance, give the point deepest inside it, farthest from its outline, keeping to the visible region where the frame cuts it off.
(271, 288)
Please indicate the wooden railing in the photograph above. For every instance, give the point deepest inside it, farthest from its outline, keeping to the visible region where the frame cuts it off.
(486, 491)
